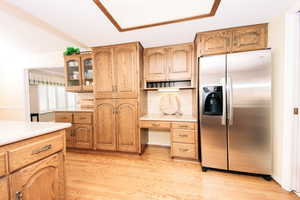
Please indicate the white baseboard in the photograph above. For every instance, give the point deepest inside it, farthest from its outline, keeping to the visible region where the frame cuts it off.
(297, 193)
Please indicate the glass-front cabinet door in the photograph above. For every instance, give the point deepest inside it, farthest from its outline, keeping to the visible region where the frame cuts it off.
(73, 73)
(87, 72)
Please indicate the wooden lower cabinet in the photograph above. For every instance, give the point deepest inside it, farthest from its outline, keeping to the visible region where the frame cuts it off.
(83, 136)
(117, 125)
(43, 180)
(80, 135)
(4, 192)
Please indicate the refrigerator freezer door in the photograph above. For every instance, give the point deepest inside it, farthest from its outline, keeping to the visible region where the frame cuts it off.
(213, 128)
(249, 135)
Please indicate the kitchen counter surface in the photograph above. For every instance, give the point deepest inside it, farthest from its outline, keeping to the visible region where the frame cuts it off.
(75, 109)
(14, 131)
(172, 118)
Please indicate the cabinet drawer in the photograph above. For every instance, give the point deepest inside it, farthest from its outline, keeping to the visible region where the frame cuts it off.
(183, 150)
(4, 189)
(83, 118)
(184, 136)
(64, 117)
(3, 161)
(29, 153)
(155, 125)
(184, 125)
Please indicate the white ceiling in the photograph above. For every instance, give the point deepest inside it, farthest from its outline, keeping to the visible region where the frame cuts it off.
(84, 21)
(141, 12)
(20, 37)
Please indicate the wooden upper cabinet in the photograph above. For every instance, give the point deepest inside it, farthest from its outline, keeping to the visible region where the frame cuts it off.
(180, 62)
(116, 71)
(246, 38)
(216, 42)
(73, 73)
(126, 71)
(103, 73)
(156, 64)
(127, 125)
(79, 72)
(42, 180)
(83, 136)
(105, 133)
(249, 38)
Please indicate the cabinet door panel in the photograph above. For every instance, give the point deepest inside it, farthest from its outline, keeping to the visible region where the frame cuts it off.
(43, 180)
(156, 64)
(217, 42)
(105, 135)
(4, 194)
(73, 77)
(180, 61)
(126, 71)
(103, 73)
(127, 124)
(83, 135)
(87, 72)
(69, 137)
(249, 38)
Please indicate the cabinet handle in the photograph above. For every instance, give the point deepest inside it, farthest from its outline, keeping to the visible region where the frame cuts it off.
(155, 124)
(181, 135)
(82, 118)
(183, 126)
(19, 195)
(183, 150)
(42, 149)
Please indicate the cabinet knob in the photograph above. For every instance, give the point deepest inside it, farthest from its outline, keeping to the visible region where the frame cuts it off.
(19, 195)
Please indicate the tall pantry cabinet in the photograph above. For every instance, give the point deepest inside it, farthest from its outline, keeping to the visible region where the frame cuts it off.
(118, 77)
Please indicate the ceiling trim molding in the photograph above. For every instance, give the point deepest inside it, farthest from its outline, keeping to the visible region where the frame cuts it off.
(25, 16)
(121, 29)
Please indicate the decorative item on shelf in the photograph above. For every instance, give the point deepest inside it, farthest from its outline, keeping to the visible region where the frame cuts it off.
(71, 50)
(170, 104)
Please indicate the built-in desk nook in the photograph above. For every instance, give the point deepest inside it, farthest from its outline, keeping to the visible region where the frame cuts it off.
(183, 129)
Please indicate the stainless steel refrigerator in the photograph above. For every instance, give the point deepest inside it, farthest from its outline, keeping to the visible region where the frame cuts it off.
(235, 112)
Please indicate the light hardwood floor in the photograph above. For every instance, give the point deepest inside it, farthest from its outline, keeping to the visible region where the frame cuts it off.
(154, 176)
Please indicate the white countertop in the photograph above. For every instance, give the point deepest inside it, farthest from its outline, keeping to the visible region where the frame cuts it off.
(14, 131)
(71, 109)
(174, 118)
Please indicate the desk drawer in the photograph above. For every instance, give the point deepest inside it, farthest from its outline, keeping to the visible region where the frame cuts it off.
(4, 194)
(64, 117)
(29, 153)
(3, 161)
(184, 136)
(184, 125)
(155, 125)
(183, 150)
(83, 118)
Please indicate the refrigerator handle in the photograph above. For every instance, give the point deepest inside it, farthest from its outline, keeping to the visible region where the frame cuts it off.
(224, 101)
(230, 101)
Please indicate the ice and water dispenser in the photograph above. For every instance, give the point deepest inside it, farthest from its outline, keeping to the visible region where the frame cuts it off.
(212, 97)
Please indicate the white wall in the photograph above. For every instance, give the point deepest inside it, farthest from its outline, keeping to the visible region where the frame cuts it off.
(162, 138)
(23, 45)
(277, 41)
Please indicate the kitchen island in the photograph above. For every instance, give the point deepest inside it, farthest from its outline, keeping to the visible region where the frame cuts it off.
(32, 160)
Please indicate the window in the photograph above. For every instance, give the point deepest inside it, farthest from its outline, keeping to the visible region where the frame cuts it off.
(53, 97)
(43, 97)
(61, 97)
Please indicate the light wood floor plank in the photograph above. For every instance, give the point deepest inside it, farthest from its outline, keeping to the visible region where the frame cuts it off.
(154, 176)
